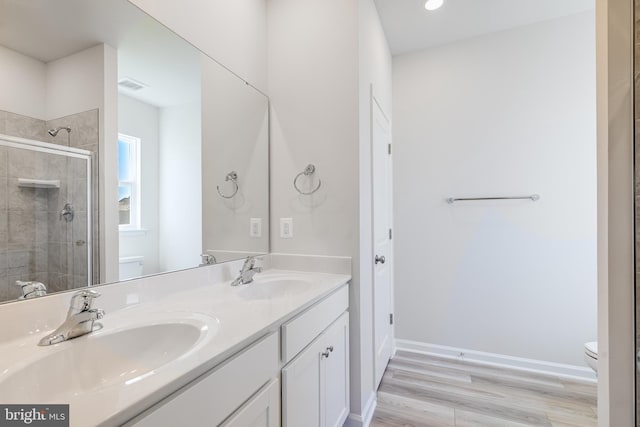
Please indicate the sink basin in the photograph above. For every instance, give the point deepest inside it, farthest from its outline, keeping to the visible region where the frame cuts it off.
(102, 359)
(274, 287)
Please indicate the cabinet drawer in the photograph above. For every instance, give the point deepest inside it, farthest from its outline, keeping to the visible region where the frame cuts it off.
(300, 331)
(217, 394)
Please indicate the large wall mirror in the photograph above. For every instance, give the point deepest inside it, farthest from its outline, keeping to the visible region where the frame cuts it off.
(124, 151)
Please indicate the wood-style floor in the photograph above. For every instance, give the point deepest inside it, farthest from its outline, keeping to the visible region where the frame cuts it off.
(419, 390)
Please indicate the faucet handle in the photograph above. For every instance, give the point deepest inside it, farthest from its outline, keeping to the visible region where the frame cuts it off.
(31, 289)
(207, 259)
(82, 301)
(249, 262)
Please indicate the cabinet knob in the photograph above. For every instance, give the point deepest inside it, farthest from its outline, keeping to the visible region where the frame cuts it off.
(380, 259)
(326, 354)
(330, 348)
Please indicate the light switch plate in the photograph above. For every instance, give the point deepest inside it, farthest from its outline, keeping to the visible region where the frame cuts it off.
(255, 227)
(286, 228)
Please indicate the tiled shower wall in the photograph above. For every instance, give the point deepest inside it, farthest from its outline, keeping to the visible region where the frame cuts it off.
(35, 241)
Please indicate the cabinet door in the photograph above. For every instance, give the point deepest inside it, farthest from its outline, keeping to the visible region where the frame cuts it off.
(335, 373)
(214, 396)
(301, 389)
(262, 410)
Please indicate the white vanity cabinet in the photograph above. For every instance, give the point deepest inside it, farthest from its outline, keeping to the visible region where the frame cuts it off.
(315, 385)
(213, 397)
(315, 379)
(297, 376)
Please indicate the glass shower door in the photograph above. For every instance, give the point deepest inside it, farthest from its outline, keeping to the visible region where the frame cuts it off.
(44, 217)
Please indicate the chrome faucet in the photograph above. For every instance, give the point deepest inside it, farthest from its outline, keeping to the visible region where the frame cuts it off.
(247, 272)
(80, 319)
(207, 259)
(31, 289)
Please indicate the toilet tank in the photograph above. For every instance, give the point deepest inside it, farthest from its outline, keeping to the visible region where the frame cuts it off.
(131, 267)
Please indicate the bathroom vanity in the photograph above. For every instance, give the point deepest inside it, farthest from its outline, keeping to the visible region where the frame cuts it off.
(272, 352)
(310, 352)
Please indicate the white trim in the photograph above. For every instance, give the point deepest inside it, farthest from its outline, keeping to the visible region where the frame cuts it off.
(356, 420)
(132, 232)
(128, 259)
(135, 203)
(44, 147)
(499, 360)
(313, 263)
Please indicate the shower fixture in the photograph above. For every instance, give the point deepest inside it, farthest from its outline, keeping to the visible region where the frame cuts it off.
(67, 212)
(54, 132)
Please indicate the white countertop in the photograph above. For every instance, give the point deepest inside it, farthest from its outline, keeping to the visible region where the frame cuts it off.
(232, 322)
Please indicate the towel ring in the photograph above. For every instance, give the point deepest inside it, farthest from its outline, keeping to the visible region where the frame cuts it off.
(309, 170)
(233, 177)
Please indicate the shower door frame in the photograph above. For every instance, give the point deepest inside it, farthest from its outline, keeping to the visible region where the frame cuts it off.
(61, 150)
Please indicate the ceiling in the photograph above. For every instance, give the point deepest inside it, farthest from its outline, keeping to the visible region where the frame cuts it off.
(409, 27)
(147, 51)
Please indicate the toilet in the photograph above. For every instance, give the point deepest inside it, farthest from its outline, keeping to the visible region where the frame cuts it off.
(591, 355)
(131, 267)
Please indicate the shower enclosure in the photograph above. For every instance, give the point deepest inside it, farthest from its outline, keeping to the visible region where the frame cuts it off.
(45, 216)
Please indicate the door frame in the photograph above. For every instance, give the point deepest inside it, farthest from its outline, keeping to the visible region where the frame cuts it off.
(615, 125)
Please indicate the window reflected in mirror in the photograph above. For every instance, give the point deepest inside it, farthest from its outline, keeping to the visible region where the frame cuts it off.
(115, 134)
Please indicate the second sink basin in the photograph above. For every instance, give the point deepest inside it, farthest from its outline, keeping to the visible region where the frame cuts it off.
(274, 286)
(102, 359)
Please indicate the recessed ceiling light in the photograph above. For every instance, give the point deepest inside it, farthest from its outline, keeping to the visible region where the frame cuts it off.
(433, 4)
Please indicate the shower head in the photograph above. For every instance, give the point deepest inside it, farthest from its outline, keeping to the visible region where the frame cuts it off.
(54, 132)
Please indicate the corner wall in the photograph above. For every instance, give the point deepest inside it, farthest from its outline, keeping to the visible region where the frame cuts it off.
(616, 359)
(22, 84)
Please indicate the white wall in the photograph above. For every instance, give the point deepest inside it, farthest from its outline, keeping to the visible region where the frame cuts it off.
(235, 137)
(22, 84)
(505, 114)
(233, 32)
(313, 89)
(74, 83)
(79, 82)
(322, 58)
(136, 118)
(180, 187)
(56, 89)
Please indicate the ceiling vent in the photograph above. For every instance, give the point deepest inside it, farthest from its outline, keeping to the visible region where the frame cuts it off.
(131, 84)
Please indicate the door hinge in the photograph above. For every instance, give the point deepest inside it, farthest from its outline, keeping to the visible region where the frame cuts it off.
(389, 145)
(391, 318)
(390, 234)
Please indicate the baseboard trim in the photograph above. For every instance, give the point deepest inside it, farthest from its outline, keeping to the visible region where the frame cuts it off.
(364, 420)
(499, 360)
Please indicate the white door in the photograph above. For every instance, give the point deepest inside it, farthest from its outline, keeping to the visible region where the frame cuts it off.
(301, 395)
(382, 234)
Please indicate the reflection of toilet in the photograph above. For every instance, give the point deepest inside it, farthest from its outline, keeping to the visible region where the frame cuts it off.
(591, 355)
(131, 267)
